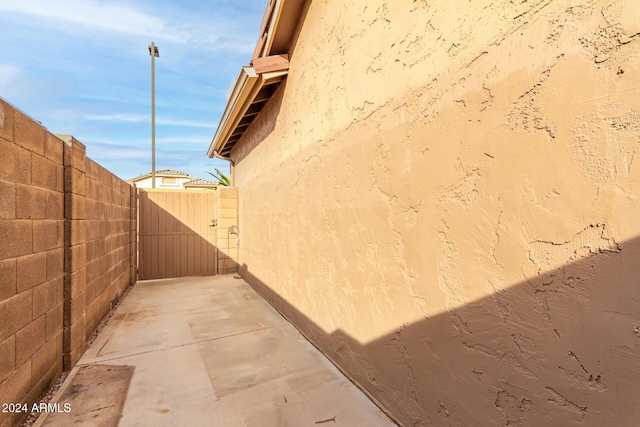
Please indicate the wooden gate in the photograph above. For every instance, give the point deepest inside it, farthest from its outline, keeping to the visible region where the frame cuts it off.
(177, 233)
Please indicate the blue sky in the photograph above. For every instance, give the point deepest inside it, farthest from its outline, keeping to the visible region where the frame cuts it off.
(82, 67)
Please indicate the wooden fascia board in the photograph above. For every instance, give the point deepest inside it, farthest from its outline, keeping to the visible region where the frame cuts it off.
(267, 15)
(263, 26)
(269, 64)
(273, 25)
(243, 88)
(259, 46)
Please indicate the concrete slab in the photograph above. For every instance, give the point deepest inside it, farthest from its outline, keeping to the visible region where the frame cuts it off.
(95, 396)
(208, 351)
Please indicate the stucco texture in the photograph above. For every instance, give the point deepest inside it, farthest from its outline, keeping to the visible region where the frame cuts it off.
(444, 198)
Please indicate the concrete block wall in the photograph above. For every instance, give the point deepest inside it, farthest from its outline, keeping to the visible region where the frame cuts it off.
(31, 259)
(227, 244)
(109, 251)
(76, 229)
(44, 232)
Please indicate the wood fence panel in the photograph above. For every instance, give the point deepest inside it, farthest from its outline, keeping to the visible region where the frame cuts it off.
(175, 237)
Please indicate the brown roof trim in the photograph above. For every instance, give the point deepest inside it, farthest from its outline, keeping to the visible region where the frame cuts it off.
(256, 83)
(269, 64)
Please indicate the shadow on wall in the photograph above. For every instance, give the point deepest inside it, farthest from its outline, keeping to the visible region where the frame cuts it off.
(561, 350)
(182, 244)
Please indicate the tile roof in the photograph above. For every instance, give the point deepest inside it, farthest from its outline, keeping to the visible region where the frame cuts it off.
(201, 183)
(162, 173)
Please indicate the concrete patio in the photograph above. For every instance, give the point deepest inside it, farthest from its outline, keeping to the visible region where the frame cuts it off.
(206, 351)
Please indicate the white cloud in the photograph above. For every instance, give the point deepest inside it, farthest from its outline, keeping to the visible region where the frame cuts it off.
(96, 14)
(186, 123)
(8, 74)
(185, 140)
(119, 117)
(160, 25)
(82, 68)
(174, 140)
(137, 118)
(121, 154)
(240, 43)
(106, 151)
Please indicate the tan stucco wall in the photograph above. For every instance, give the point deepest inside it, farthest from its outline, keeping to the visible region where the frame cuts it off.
(445, 198)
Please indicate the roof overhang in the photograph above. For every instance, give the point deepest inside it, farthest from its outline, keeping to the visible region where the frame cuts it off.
(257, 83)
(250, 92)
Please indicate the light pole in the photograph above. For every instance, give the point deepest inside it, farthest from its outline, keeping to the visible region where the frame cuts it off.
(153, 51)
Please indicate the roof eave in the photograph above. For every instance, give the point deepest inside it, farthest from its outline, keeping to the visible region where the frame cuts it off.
(232, 112)
(244, 94)
(270, 65)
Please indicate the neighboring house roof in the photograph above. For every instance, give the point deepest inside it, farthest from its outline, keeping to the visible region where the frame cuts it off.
(163, 173)
(201, 183)
(257, 83)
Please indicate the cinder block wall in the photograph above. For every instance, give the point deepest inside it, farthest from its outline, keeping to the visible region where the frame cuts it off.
(108, 255)
(76, 229)
(44, 230)
(31, 258)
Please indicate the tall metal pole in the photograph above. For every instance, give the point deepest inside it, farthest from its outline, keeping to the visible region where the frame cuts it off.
(153, 51)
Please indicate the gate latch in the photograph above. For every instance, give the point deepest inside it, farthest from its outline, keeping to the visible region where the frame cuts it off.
(214, 223)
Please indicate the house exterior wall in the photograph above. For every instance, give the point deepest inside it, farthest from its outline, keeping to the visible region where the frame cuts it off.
(443, 197)
(47, 218)
(147, 183)
(227, 221)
